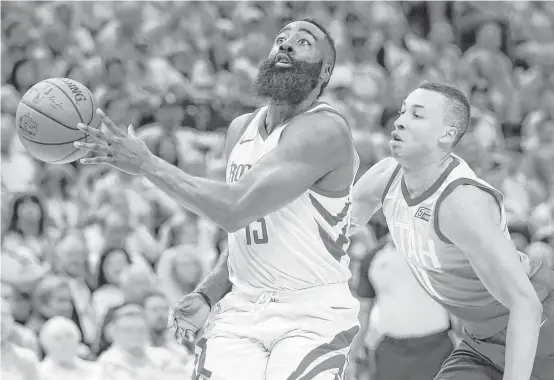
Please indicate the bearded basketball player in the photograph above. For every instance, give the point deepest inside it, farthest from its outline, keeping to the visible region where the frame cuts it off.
(286, 206)
(451, 227)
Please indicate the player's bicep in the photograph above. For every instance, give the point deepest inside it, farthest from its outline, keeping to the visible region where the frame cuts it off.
(368, 190)
(304, 155)
(470, 219)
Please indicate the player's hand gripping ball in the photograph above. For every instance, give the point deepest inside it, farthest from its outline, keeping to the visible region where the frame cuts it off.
(117, 148)
(187, 316)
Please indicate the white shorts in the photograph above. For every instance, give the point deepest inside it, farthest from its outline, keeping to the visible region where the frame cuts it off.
(303, 334)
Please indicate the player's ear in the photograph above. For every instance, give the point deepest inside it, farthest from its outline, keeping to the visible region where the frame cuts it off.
(449, 136)
(326, 73)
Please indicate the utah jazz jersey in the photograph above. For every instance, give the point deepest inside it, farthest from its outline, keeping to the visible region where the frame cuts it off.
(440, 267)
(298, 246)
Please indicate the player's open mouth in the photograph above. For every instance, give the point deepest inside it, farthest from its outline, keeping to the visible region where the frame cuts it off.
(395, 137)
(283, 60)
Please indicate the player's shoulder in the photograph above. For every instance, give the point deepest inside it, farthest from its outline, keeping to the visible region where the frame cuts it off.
(385, 168)
(328, 117)
(322, 128)
(381, 173)
(240, 123)
(467, 203)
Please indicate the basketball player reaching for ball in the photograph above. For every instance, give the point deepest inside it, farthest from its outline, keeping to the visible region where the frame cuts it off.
(451, 227)
(286, 205)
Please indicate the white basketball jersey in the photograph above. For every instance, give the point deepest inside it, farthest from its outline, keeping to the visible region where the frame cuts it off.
(299, 246)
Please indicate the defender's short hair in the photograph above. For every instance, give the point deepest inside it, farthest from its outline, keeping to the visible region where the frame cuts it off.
(457, 104)
(331, 43)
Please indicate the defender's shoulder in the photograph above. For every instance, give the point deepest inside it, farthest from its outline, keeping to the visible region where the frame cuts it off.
(385, 167)
(380, 173)
(467, 198)
(373, 184)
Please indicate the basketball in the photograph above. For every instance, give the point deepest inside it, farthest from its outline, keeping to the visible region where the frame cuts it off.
(47, 116)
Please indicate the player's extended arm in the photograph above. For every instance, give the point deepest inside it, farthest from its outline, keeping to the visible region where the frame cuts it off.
(367, 192)
(470, 218)
(306, 153)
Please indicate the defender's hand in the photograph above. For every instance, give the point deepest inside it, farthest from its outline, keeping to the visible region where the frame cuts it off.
(187, 316)
(123, 151)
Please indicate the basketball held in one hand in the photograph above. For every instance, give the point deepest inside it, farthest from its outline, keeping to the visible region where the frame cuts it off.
(47, 117)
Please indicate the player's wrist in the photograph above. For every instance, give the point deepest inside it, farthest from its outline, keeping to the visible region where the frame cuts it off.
(148, 164)
(205, 297)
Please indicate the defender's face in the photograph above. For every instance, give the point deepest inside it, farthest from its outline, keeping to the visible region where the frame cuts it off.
(298, 41)
(419, 126)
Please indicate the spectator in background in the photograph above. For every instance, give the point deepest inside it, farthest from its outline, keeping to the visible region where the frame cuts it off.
(155, 309)
(60, 339)
(131, 353)
(538, 165)
(484, 125)
(19, 170)
(542, 251)
(113, 262)
(180, 270)
(17, 363)
(50, 298)
(19, 335)
(136, 282)
(28, 226)
(165, 138)
(21, 269)
(492, 70)
(180, 229)
(72, 259)
(55, 183)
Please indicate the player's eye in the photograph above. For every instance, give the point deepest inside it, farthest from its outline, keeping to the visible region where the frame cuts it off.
(304, 41)
(400, 112)
(417, 116)
(280, 40)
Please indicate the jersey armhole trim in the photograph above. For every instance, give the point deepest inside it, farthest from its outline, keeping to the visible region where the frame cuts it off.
(246, 125)
(314, 188)
(389, 184)
(449, 189)
(328, 108)
(330, 193)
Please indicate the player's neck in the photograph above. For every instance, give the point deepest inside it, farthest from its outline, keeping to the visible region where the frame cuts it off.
(278, 112)
(419, 178)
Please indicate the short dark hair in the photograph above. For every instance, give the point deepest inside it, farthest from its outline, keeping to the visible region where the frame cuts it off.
(331, 43)
(458, 106)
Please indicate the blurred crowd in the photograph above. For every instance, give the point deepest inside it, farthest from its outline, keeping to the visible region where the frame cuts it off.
(91, 257)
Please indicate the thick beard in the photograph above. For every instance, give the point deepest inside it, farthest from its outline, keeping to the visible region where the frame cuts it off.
(291, 85)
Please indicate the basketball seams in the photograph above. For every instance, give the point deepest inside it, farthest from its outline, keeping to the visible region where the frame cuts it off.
(98, 126)
(91, 105)
(56, 143)
(45, 115)
(63, 158)
(70, 100)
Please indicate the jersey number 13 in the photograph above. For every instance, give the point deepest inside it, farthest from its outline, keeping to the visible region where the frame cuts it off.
(256, 231)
